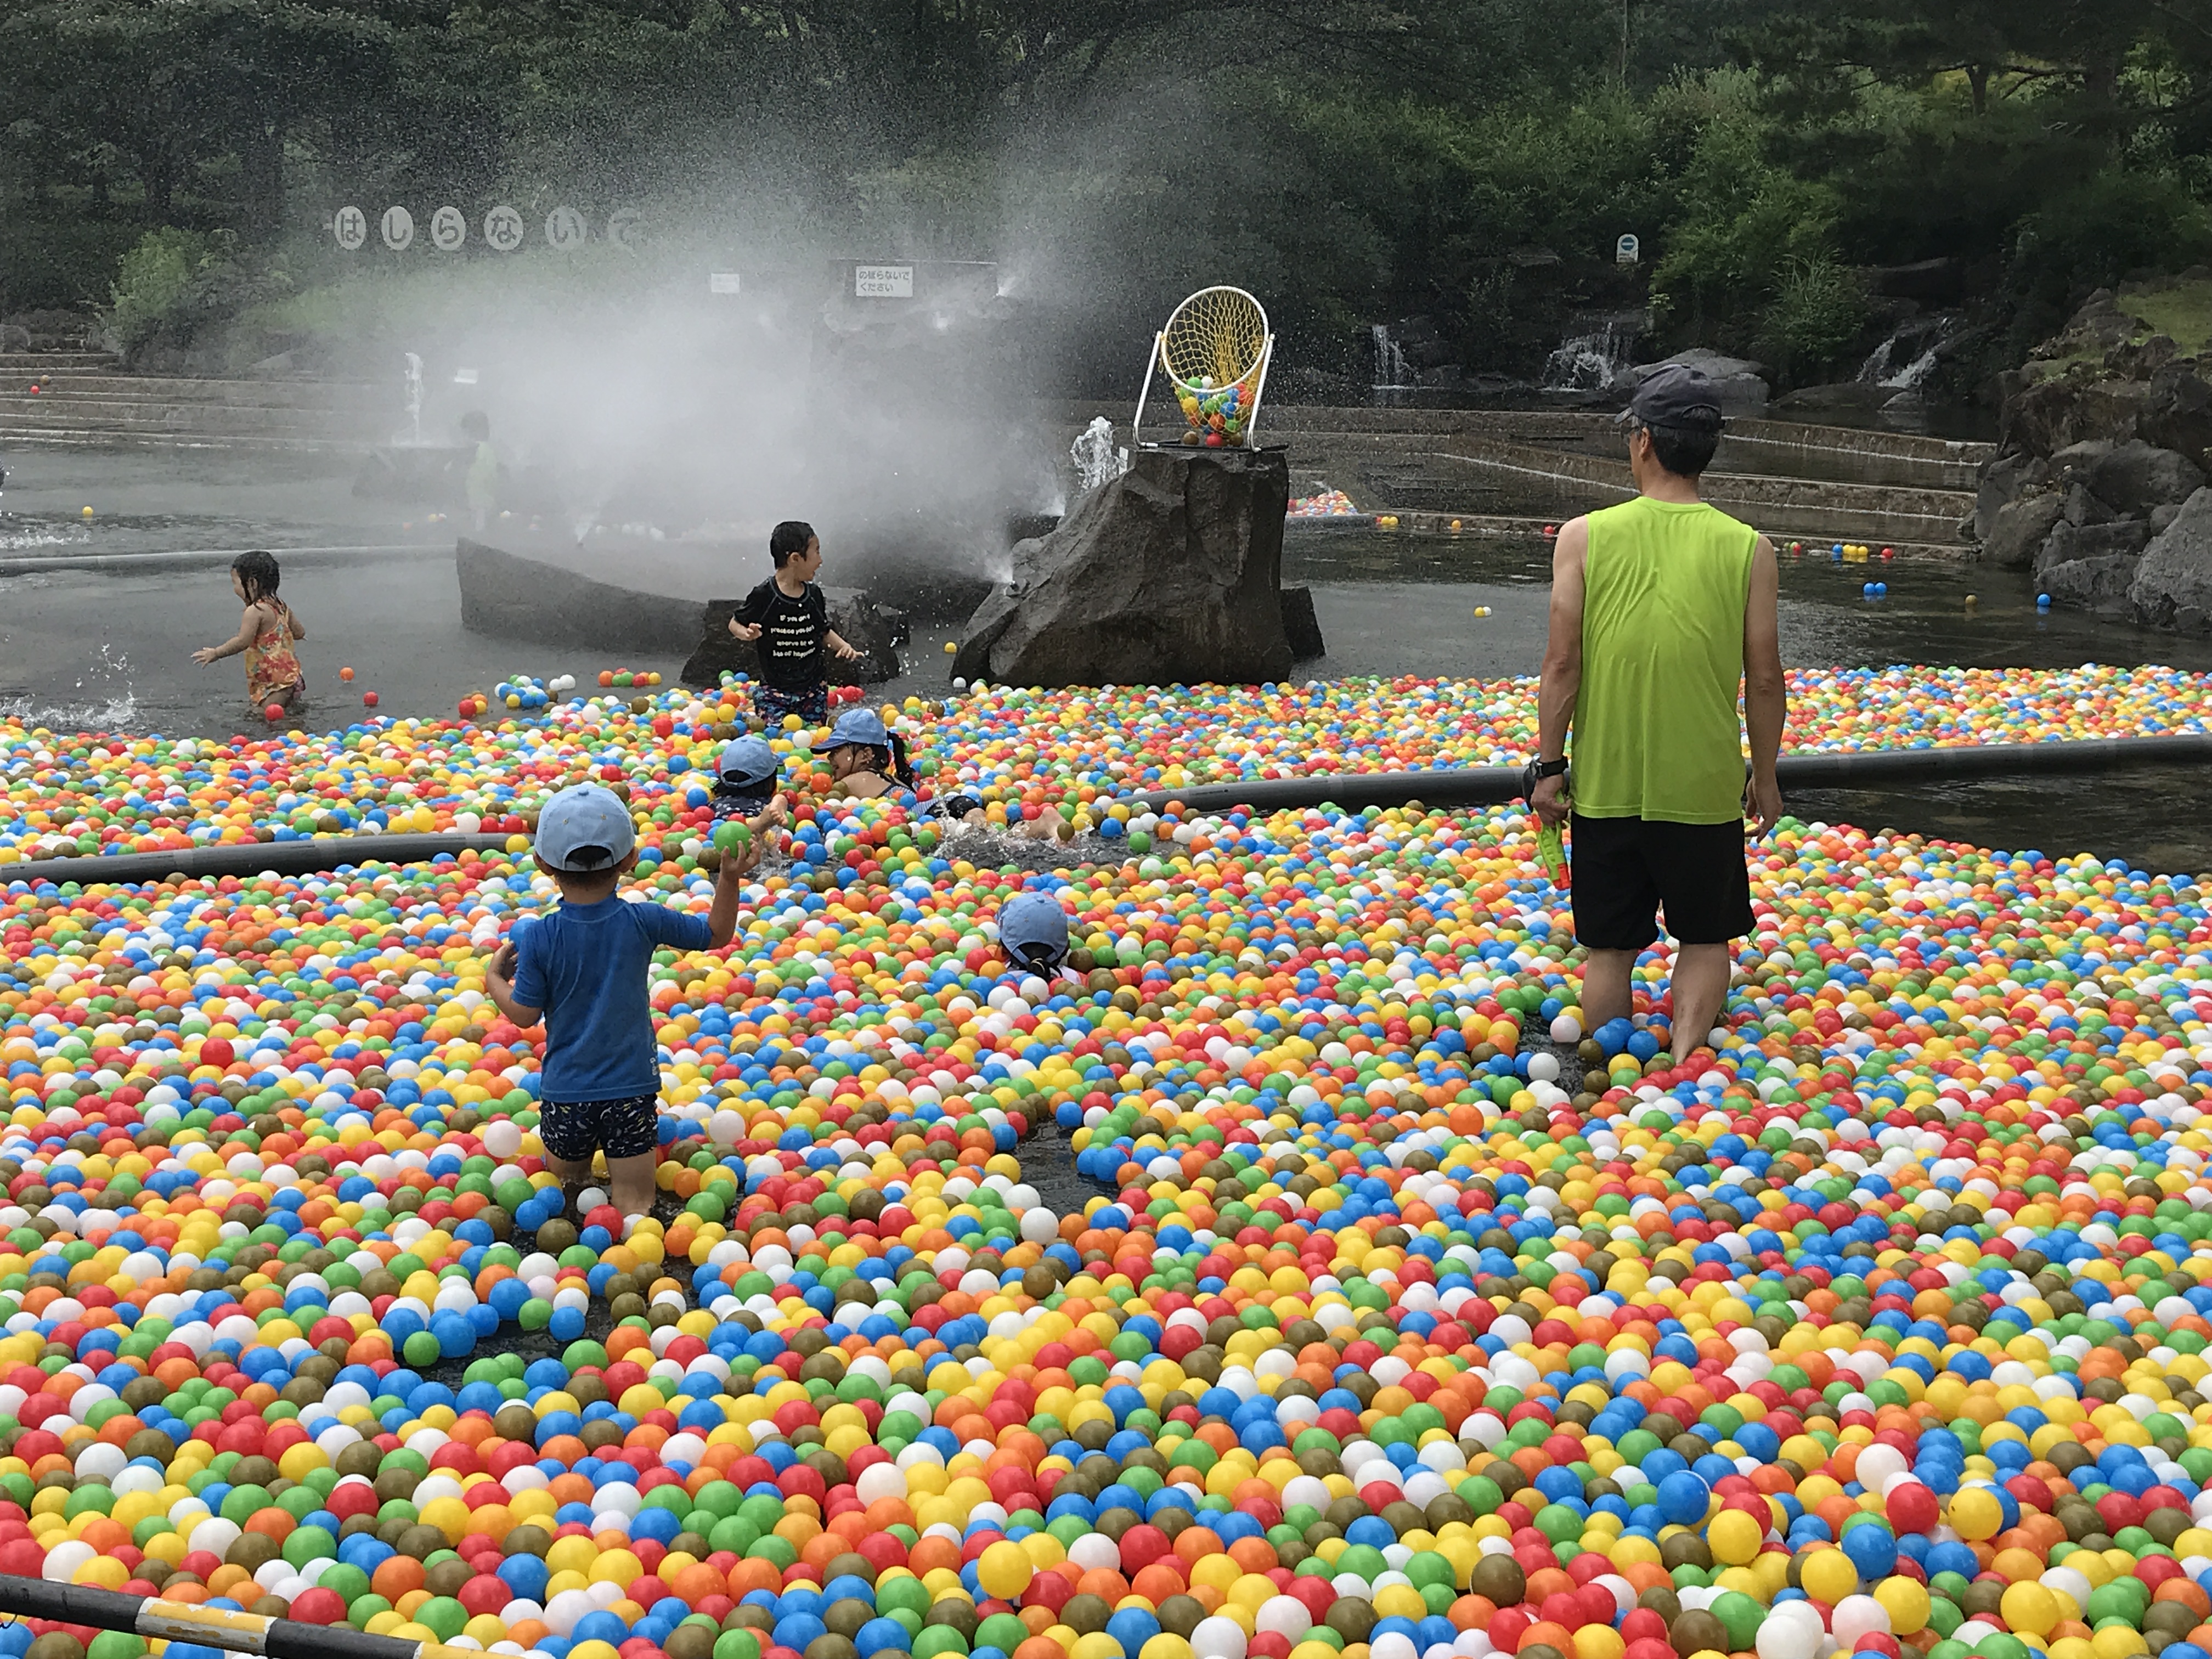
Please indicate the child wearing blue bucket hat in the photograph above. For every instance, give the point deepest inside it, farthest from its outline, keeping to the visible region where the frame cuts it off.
(746, 777)
(868, 760)
(1033, 934)
(583, 971)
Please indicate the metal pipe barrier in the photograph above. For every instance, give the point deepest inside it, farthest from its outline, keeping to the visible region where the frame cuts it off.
(215, 1627)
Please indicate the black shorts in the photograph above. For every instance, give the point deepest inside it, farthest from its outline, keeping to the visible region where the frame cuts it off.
(572, 1130)
(1625, 870)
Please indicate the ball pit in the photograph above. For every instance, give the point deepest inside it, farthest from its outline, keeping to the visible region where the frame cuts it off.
(74, 794)
(1406, 1317)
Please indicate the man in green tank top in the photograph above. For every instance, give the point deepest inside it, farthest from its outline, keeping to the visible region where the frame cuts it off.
(1662, 609)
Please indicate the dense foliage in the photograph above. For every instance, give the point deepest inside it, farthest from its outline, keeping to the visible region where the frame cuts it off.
(1352, 158)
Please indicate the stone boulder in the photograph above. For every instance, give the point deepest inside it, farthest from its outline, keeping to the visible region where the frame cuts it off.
(1170, 574)
(2093, 583)
(2172, 584)
(2003, 482)
(2133, 478)
(1739, 382)
(2021, 529)
(2068, 543)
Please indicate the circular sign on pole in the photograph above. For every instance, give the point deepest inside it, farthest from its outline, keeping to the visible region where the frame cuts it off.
(503, 229)
(1627, 250)
(626, 227)
(398, 229)
(350, 226)
(449, 229)
(564, 229)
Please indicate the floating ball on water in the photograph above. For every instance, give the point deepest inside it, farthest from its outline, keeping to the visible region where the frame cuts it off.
(368, 699)
(87, 513)
(2043, 602)
(345, 674)
(275, 711)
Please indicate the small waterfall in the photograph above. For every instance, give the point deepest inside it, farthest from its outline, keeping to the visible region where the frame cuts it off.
(1906, 359)
(1393, 376)
(1590, 362)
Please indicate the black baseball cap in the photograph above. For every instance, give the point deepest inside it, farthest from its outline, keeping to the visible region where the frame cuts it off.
(1673, 394)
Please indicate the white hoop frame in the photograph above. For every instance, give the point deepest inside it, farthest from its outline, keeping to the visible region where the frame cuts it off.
(1158, 360)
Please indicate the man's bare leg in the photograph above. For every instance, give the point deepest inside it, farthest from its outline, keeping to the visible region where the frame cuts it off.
(1700, 988)
(1606, 987)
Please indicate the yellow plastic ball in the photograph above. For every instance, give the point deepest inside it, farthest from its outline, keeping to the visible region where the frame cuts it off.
(1976, 1513)
(1004, 1570)
(1828, 1576)
(1905, 1601)
(2029, 1609)
(1734, 1538)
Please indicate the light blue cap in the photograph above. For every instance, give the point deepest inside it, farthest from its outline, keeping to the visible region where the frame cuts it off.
(586, 820)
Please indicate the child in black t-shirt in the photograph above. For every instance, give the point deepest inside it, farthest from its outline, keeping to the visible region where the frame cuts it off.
(791, 619)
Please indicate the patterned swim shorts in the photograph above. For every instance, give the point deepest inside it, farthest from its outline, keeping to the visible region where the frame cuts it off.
(573, 1130)
(810, 702)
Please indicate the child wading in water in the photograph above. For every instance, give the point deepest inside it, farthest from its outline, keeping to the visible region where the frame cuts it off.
(789, 615)
(266, 633)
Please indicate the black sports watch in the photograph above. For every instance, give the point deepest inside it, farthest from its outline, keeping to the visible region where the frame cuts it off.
(1544, 769)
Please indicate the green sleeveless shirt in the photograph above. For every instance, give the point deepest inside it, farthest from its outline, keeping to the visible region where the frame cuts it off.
(1656, 730)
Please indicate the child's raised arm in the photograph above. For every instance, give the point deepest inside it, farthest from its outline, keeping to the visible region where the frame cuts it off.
(249, 626)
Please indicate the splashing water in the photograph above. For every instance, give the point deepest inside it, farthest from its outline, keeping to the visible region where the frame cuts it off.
(1589, 362)
(1915, 345)
(1096, 459)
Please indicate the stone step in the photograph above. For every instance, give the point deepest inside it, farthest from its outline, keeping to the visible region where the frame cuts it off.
(19, 435)
(138, 389)
(213, 419)
(34, 362)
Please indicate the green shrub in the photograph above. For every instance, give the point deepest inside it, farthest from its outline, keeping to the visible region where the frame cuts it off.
(176, 283)
(1819, 308)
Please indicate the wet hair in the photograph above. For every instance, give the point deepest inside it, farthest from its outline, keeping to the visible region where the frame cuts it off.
(1686, 447)
(258, 575)
(789, 540)
(477, 424)
(890, 763)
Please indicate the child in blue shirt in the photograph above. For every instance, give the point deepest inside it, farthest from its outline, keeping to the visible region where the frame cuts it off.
(584, 969)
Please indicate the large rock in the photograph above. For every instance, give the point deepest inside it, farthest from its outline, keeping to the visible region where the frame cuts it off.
(2069, 543)
(2003, 482)
(2021, 529)
(2135, 477)
(2172, 581)
(1171, 573)
(1737, 381)
(2093, 583)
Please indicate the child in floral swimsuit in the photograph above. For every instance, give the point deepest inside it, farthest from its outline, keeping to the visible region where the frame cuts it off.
(266, 633)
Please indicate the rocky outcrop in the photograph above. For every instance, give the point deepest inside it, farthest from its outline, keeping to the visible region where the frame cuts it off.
(2173, 581)
(1739, 382)
(2093, 584)
(2067, 542)
(2135, 477)
(1170, 574)
(2105, 432)
(2003, 482)
(2020, 530)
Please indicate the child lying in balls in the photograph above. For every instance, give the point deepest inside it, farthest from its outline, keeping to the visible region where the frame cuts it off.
(583, 969)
